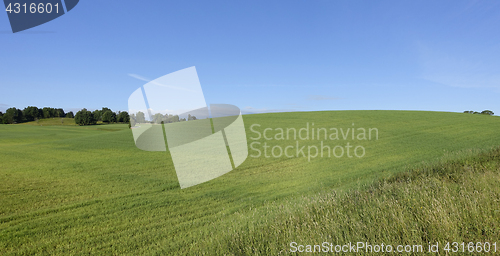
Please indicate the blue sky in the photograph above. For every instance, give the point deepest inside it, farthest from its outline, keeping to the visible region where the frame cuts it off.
(262, 55)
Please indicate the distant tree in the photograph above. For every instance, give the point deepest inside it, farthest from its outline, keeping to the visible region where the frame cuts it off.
(103, 110)
(32, 113)
(7, 119)
(484, 112)
(172, 119)
(59, 112)
(158, 118)
(109, 116)
(97, 114)
(70, 114)
(48, 112)
(13, 115)
(85, 117)
(140, 118)
(132, 121)
(190, 117)
(487, 112)
(123, 117)
(1, 117)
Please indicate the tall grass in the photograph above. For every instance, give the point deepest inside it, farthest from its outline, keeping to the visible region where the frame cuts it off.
(451, 201)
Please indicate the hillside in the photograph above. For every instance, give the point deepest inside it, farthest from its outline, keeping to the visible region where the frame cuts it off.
(52, 121)
(71, 189)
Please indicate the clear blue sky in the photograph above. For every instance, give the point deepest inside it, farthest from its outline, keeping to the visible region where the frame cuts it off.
(262, 55)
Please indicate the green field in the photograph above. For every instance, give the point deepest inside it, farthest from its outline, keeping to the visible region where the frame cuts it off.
(88, 189)
(52, 121)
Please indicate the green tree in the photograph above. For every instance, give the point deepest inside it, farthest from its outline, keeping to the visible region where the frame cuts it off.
(487, 112)
(123, 117)
(13, 115)
(109, 117)
(85, 117)
(32, 113)
(97, 114)
(59, 112)
(104, 109)
(70, 114)
(48, 112)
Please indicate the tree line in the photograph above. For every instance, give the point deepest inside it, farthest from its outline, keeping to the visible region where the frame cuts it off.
(31, 113)
(106, 115)
(82, 117)
(484, 112)
(158, 118)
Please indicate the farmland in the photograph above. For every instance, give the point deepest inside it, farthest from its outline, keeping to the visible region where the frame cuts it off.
(87, 189)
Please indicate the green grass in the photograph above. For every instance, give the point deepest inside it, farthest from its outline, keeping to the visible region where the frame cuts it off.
(451, 201)
(72, 189)
(52, 121)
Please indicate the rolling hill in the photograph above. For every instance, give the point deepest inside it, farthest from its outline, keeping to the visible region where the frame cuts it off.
(71, 189)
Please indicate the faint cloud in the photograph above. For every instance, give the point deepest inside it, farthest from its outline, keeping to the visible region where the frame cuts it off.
(74, 110)
(321, 97)
(4, 107)
(139, 77)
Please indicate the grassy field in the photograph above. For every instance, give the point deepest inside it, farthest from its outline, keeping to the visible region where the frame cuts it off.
(79, 190)
(52, 121)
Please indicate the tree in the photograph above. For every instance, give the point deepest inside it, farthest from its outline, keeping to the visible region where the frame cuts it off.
(13, 115)
(109, 117)
(139, 118)
(59, 112)
(97, 114)
(469, 112)
(123, 117)
(101, 113)
(158, 118)
(487, 112)
(132, 120)
(70, 114)
(32, 113)
(85, 117)
(104, 109)
(48, 112)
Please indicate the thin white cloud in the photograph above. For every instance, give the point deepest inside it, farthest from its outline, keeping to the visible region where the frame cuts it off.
(139, 77)
(4, 107)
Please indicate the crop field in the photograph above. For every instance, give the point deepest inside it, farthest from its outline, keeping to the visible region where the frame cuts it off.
(69, 189)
